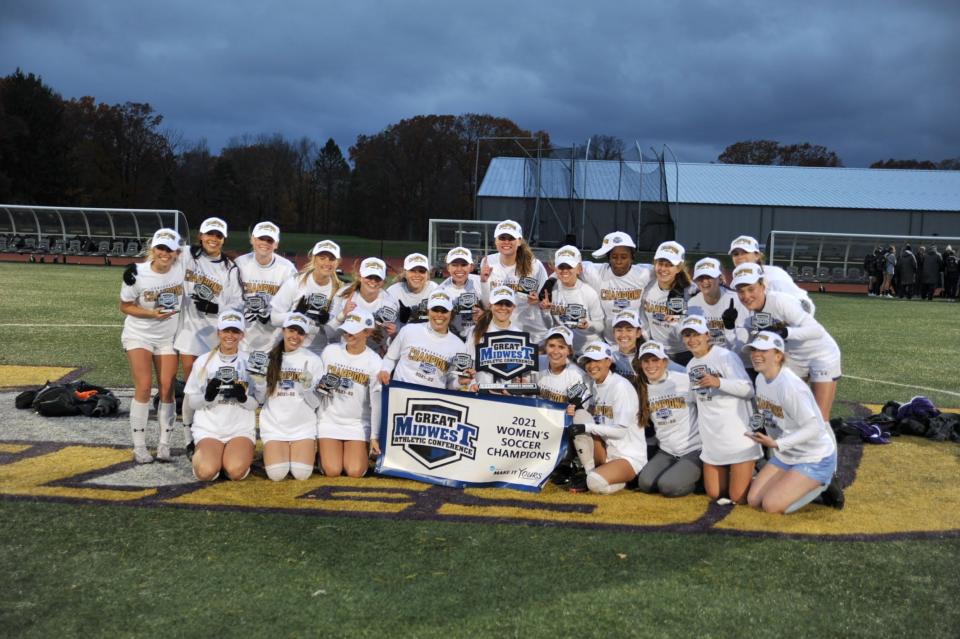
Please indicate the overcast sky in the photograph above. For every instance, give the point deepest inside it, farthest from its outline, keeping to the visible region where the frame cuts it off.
(870, 80)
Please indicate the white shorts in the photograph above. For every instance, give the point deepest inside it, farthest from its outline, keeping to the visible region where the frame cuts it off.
(635, 462)
(268, 434)
(327, 430)
(191, 343)
(200, 434)
(818, 370)
(161, 347)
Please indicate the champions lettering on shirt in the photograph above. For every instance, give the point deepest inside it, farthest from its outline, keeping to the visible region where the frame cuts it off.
(151, 296)
(775, 409)
(612, 294)
(676, 403)
(603, 411)
(426, 357)
(343, 372)
(553, 396)
(200, 278)
(252, 288)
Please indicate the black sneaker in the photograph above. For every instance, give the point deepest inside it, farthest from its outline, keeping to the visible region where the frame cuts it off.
(563, 474)
(833, 495)
(191, 448)
(578, 483)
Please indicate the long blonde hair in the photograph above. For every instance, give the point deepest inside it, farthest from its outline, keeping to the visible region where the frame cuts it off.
(307, 272)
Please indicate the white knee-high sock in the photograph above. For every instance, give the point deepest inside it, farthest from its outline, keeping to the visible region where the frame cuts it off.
(167, 416)
(139, 414)
(187, 422)
(583, 444)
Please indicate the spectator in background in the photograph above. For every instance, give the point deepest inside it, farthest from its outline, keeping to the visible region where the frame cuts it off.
(873, 270)
(920, 255)
(907, 270)
(930, 272)
(889, 267)
(951, 273)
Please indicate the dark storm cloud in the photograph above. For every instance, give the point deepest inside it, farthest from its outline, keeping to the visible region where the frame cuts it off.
(869, 80)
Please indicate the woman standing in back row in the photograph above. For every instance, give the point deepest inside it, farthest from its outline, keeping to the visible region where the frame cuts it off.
(515, 266)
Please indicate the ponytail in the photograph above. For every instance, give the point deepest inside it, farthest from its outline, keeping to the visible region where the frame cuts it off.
(273, 368)
(525, 259)
(640, 382)
(482, 324)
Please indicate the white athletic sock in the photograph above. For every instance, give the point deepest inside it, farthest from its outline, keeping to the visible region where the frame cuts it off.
(583, 443)
(187, 413)
(167, 416)
(139, 414)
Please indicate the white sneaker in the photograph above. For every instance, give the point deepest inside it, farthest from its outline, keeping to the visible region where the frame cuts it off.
(142, 456)
(163, 453)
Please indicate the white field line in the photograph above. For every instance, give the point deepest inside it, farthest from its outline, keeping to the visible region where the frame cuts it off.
(923, 388)
(36, 325)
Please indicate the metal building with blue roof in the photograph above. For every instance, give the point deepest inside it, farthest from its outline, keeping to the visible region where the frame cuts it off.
(703, 206)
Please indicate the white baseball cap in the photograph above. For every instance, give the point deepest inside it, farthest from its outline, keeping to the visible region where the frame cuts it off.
(652, 348)
(503, 294)
(560, 331)
(765, 341)
(440, 298)
(357, 320)
(745, 243)
(695, 323)
(459, 253)
(596, 350)
(214, 224)
(612, 241)
(230, 319)
(747, 273)
(267, 229)
(509, 227)
(373, 267)
(326, 246)
(708, 267)
(297, 319)
(569, 255)
(166, 237)
(670, 251)
(416, 260)
(628, 315)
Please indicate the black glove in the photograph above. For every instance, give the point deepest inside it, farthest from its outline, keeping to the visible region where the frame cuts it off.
(780, 330)
(729, 317)
(213, 387)
(321, 317)
(205, 306)
(548, 288)
(577, 429)
(237, 392)
(577, 394)
(130, 274)
(403, 313)
(301, 306)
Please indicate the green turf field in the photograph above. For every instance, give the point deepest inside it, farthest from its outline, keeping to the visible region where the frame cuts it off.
(105, 570)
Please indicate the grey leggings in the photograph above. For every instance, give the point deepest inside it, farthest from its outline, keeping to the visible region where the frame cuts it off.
(672, 476)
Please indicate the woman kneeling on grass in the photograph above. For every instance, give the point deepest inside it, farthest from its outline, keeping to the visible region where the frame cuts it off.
(344, 426)
(804, 450)
(723, 392)
(610, 444)
(222, 394)
(150, 299)
(288, 421)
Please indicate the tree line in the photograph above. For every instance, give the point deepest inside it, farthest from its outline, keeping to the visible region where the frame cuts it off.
(81, 152)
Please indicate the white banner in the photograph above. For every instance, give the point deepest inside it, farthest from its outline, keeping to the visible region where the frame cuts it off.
(462, 439)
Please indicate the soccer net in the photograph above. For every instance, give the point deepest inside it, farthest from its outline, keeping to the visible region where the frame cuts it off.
(837, 257)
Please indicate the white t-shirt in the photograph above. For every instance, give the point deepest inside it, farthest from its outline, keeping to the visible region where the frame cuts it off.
(554, 386)
(289, 413)
(659, 323)
(806, 341)
(529, 316)
(287, 299)
(462, 321)
(584, 295)
(673, 411)
(221, 417)
(378, 340)
(197, 332)
(411, 300)
(264, 281)
(144, 292)
(803, 436)
(615, 407)
(422, 356)
(617, 292)
(713, 313)
(355, 404)
(723, 414)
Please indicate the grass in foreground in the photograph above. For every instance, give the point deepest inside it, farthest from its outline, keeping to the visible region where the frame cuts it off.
(116, 571)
